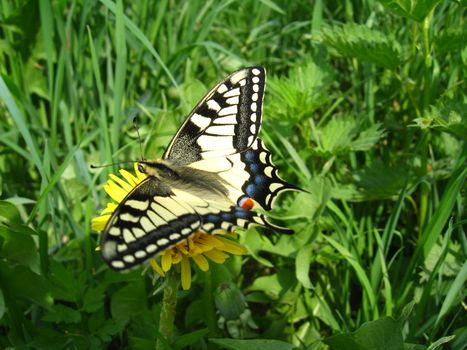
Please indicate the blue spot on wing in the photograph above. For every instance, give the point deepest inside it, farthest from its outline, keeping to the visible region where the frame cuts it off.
(254, 167)
(249, 156)
(226, 217)
(213, 218)
(242, 213)
(251, 190)
(260, 179)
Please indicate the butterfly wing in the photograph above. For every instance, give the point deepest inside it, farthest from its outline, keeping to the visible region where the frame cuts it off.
(225, 122)
(154, 217)
(248, 174)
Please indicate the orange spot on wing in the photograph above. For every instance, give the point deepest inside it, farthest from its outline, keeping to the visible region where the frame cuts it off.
(248, 204)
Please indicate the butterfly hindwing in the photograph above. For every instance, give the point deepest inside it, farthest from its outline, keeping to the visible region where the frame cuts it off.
(248, 174)
(263, 184)
(154, 217)
(226, 121)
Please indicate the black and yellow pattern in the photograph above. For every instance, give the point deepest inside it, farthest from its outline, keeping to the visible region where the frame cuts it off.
(212, 166)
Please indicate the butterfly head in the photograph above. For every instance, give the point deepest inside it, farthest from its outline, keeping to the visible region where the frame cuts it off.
(157, 168)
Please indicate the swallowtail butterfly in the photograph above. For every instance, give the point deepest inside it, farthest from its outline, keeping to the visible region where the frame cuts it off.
(213, 171)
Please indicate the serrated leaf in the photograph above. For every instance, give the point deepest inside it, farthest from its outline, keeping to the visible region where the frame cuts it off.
(94, 299)
(414, 9)
(368, 138)
(128, 301)
(450, 40)
(381, 180)
(62, 282)
(263, 344)
(385, 333)
(361, 42)
(300, 93)
(346, 134)
(62, 314)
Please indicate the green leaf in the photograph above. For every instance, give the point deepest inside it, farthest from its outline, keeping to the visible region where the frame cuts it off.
(299, 94)
(413, 9)
(188, 339)
(263, 344)
(452, 297)
(452, 39)
(302, 265)
(448, 116)
(229, 301)
(363, 43)
(62, 314)
(128, 301)
(344, 135)
(381, 180)
(274, 285)
(19, 247)
(9, 213)
(94, 298)
(440, 342)
(21, 282)
(385, 333)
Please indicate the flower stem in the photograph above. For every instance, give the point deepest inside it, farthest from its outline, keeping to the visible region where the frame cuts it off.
(167, 317)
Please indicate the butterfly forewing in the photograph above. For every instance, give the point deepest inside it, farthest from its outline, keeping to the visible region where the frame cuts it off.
(154, 217)
(226, 121)
(149, 220)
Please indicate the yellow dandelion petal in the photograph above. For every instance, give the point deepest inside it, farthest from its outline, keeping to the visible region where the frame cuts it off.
(129, 177)
(183, 248)
(98, 223)
(155, 266)
(211, 241)
(176, 257)
(114, 191)
(186, 273)
(232, 247)
(195, 249)
(166, 260)
(109, 209)
(216, 256)
(123, 184)
(202, 262)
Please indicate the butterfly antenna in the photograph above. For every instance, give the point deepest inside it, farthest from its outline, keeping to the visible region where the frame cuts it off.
(110, 164)
(135, 125)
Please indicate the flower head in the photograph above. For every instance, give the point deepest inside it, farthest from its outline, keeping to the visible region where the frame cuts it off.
(200, 247)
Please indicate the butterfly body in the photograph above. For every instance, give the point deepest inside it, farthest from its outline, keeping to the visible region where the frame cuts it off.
(214, 171)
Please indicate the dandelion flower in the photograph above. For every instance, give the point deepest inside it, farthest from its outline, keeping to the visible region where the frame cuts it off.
(199, 248)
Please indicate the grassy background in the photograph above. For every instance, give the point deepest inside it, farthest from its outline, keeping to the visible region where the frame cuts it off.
(365, 108)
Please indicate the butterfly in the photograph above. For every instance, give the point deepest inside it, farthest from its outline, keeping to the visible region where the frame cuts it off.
(212, 174)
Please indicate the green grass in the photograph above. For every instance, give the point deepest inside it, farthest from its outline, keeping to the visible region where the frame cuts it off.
(365, 109)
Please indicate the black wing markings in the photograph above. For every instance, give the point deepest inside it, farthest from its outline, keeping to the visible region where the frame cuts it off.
(226, 121)
(145, 225)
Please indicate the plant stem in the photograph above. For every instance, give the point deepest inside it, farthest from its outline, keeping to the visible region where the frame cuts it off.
(424, 187)
(167, 317)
